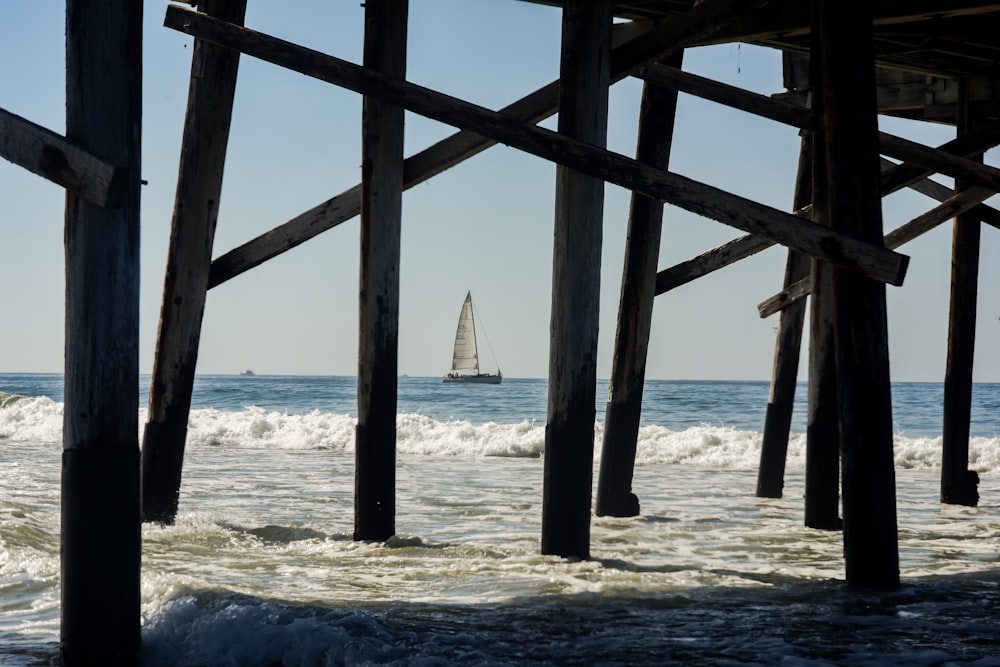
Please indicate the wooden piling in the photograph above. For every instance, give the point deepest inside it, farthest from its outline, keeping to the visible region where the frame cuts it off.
(822, 465)
(192, 233)
(959, 485)
(787, 347)
(569, 432)
(849, 122)
(381, 215)
(101, 538)
(657, 112)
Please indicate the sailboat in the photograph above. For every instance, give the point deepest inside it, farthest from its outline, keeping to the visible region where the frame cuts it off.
(466, 354)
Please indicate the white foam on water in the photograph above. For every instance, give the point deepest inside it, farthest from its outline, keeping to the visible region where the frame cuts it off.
(40, 420)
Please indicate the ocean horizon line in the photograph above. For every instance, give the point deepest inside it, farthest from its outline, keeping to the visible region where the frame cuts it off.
(801, 381)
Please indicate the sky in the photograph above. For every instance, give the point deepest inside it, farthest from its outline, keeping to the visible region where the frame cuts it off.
(485, 225)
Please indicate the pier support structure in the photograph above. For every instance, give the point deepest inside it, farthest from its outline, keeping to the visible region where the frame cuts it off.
(822, 473)
(959, 485)
(850, 369)
(657, 113)
(381, 216)
(787, 347)
(189, 257)
(853, 202)
(101, 537)
(576, 274)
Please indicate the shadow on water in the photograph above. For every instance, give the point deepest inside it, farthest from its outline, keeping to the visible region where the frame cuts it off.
(928, 622)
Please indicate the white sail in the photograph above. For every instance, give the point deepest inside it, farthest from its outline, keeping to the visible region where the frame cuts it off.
(465, 356)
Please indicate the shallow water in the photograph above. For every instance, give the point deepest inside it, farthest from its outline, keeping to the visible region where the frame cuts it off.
(260, 568)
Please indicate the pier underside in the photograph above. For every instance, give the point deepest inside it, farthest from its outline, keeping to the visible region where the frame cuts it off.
(844, 65)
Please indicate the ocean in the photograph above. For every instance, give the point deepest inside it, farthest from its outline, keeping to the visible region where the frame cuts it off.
(261, 569)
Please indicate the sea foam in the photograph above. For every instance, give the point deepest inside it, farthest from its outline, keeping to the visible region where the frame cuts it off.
(40, 420)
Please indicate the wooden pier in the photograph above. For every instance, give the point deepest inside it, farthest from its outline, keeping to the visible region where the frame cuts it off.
(844, 64)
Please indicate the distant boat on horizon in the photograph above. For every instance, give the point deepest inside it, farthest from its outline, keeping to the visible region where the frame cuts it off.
(248, 373)
(465, 356)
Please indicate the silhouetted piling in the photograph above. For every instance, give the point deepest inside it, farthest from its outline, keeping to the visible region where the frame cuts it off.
(849, 123)
(576, 277)
(959, 485)
(657, 112)
(381, 215)
(822, 473)
(192, 233)
(787, 347)
(101, 538)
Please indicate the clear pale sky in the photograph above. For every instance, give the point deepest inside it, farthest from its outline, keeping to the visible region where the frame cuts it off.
(485, 225)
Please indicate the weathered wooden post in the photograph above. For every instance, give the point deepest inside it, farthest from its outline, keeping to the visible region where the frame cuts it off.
(822, 473)
(849, 123)
(788, 343)
(192, 233)
(381, 214)
(576, 274)
(959, 485)
(657, 112)
(101, 538)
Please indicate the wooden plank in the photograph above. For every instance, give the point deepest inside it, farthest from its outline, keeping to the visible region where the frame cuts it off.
(712, 260)
(959, 485)
(956, 204)
(211, 90)
(895, 177)
(935, 190)
(860, 330)
(584, 76)
(906, 174)
(52, 157)
(973, 172)
(378, 319)
(731, 96)
(630, 52)
(786, 297)
(101, 548)
(657, 115)
(686, 193)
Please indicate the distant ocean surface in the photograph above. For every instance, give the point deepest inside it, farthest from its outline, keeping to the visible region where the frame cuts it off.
(260, 568)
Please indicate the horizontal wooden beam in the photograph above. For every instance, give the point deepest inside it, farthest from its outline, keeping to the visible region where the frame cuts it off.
(949, 208)
(935, 190)
(53, 157)
(708, 262)
(796, 116)
(951, 205)
(731, 96)
(635, 44)
(795, 292)
(967, 145)
(894, 177)
(815, 240)
(955, 166)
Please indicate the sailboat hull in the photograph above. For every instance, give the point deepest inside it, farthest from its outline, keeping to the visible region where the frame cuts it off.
(482, 378)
